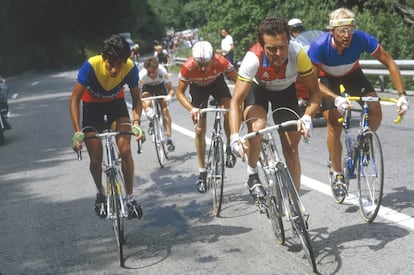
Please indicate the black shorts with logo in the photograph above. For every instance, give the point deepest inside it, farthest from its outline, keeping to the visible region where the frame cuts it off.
(94, 113)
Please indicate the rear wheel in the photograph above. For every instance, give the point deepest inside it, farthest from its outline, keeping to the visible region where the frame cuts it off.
(370, 175)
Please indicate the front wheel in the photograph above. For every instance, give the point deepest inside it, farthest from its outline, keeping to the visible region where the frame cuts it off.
(159, 141)
(117, 220)
(216, 174)
(298, 218)
(370, 175)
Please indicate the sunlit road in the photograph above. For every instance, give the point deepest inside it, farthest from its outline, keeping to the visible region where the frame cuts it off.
(48, 225)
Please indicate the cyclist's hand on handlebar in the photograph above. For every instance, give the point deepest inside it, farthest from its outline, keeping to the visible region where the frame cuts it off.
(305, 126)
(342, 104)
(236, 146)
(168, 98)
(138, 132)
(77, 139)
(402, 105)
(194, 114)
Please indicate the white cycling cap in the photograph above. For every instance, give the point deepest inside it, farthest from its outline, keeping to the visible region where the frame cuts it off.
(202, 51)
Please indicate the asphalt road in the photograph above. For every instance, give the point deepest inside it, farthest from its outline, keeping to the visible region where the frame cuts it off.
(48, 225)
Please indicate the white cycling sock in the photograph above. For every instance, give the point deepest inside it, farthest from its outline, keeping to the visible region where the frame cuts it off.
(251, 170)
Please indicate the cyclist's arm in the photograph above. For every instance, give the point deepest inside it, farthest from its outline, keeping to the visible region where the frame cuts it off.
(241, 90)
(180, 94)
(325, 91)
(170, 88)
(136, 105)
(395, 73)
(74, 108)
(233, 75)
(308, 77)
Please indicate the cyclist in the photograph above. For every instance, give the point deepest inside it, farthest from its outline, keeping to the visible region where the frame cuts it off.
(204, 73)
(162, 55)
(296, 27)
(99, 86)
(336, 53)
(267, 74)
(154, 80)
(135, 54)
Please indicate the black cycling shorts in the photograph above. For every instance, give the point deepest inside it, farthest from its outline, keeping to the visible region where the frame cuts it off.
(155, 90)
(93, 114)
(200, 94)
(280, 100)
(355, 83)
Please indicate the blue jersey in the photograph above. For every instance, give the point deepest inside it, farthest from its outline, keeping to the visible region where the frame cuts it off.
(322, 52)
(100, 86)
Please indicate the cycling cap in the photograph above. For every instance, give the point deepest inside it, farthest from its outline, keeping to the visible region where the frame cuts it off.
(135, 47)
(202, 52)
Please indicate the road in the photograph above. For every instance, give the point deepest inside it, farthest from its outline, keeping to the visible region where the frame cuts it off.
(48, 225)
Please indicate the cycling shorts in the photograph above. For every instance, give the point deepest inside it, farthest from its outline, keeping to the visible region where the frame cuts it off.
(94, 112)
(355, 83)
(259, 95)
(200, 94)
(155, 90)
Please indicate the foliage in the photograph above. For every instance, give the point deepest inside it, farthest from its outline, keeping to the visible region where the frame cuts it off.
(52, 33)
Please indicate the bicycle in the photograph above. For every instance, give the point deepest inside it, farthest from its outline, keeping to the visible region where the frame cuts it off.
(281, 200)
(115, 185)
(362, 160)
(215, 157)
(158, 129)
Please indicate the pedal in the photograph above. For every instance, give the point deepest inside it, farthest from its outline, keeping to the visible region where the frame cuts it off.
(261, 206)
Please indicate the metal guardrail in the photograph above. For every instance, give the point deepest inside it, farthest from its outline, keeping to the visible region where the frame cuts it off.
(375, 67)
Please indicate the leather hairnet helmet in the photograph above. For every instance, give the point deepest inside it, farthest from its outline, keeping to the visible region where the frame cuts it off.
(202, 52)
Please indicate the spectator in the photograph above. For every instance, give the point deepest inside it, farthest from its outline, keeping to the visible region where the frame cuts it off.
(227, 46)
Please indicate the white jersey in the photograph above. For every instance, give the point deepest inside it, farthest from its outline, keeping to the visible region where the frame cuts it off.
(145, 79)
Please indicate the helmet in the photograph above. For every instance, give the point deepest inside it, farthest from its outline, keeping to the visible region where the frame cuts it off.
(296, 24)
(202, 52)
(135, 47)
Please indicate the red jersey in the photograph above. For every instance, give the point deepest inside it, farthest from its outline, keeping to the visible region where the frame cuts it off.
(190, 71)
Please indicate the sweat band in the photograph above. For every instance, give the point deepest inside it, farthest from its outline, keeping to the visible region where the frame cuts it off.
(341, 22)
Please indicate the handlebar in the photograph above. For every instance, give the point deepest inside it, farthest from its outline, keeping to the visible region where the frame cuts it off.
(282, 125)
(373, 99)
(103, 135)
(209, 110)
(154, 97)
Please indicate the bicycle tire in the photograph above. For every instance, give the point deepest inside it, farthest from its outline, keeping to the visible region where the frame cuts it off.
(163, 136)
(370, 175)
(297, 218)
(117, 221)
(158, 141)
(217, 175)
(274, 209)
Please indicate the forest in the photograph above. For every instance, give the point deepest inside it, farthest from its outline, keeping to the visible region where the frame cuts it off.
(44, 34)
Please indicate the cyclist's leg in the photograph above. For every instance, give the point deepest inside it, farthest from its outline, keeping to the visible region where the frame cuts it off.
(94, 147)
(290, 141)
(374, 113)
(92, 115)
(124, 146)
(147, 104)
(167, 118)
